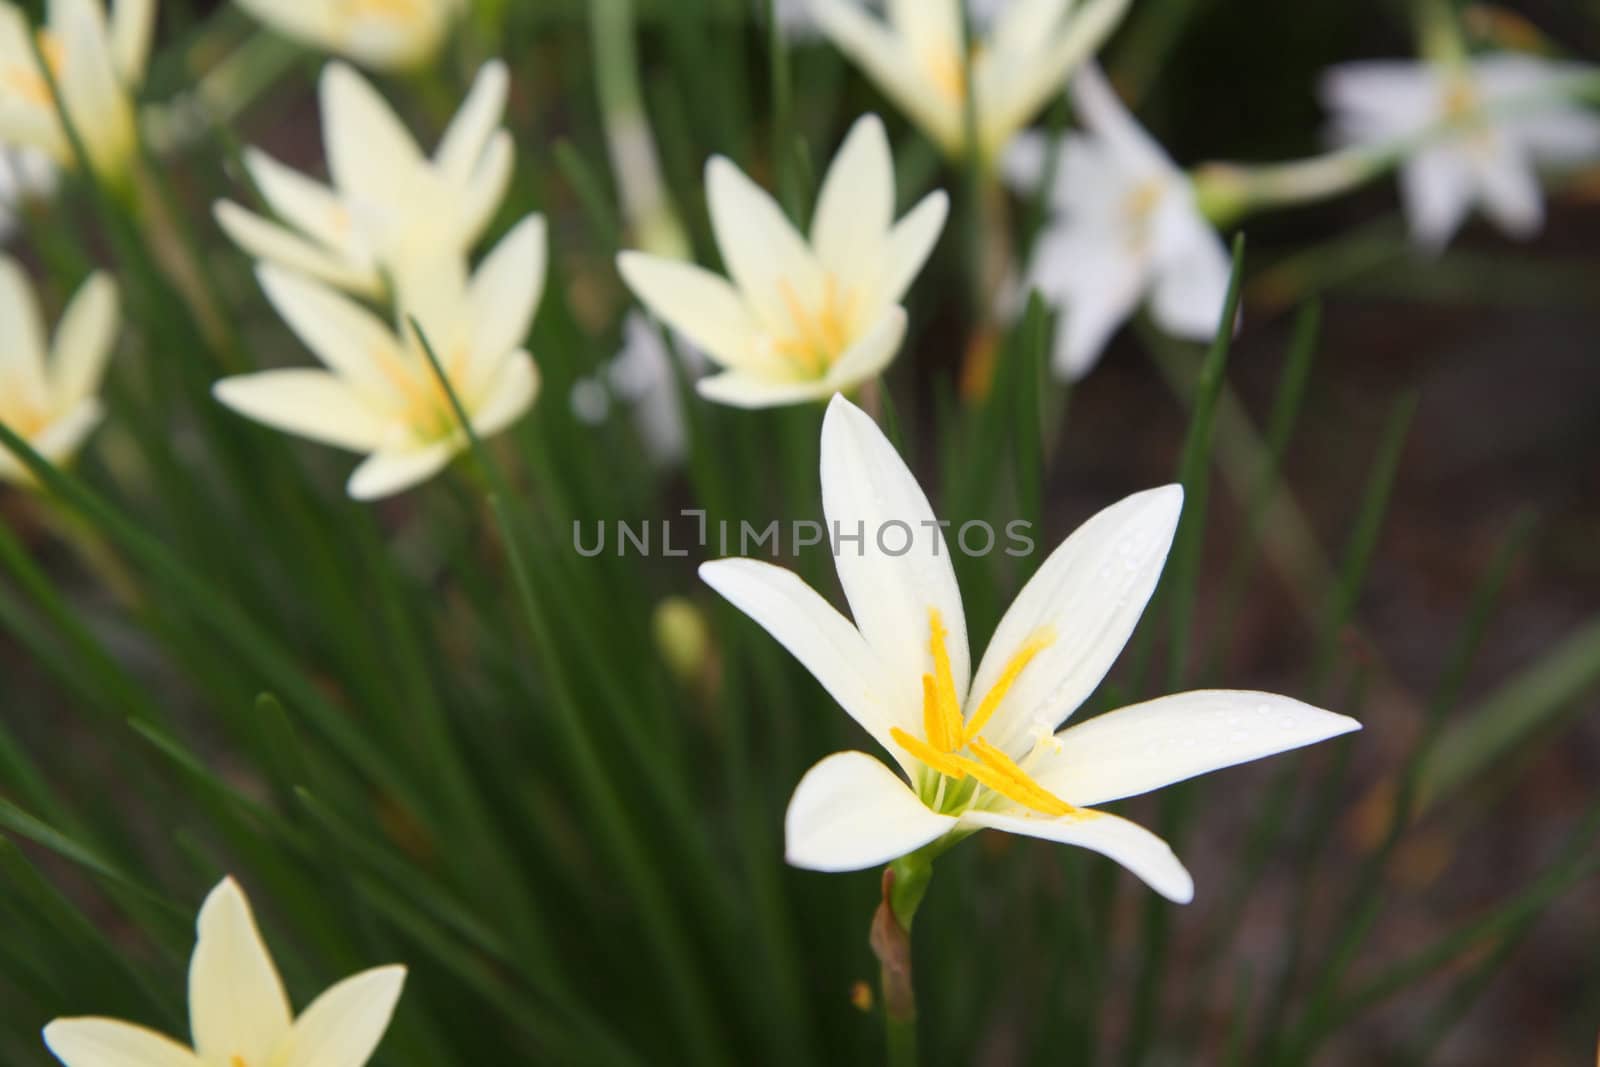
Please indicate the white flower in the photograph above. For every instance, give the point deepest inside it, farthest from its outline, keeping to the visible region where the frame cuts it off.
(390, 209)
(97, 66)
(382, 34)
(800, 320)
(49, 397)
(25, 174)
(379, 394)
(238, 1011)
(976, 747)
(1493, 161)
(798, 23)
(1126, 226)
(918, 58)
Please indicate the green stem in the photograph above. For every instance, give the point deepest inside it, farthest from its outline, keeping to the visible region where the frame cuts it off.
(905, 883)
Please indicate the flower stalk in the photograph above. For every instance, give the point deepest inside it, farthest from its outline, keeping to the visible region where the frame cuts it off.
(905, 883)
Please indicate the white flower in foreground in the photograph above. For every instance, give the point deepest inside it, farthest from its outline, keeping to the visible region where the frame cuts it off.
(1125, 226)
(1493, 161)
(25, 174)
(918, 58)
(382, 34)
(800, 320)
(49, 395)
(97, 65)
(390, 210)
(238, 1011)
(977, 749)
(379, 394)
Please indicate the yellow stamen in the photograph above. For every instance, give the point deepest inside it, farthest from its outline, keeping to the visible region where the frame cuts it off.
(1002, 774)
(402, 10)
(943, 688)
(944, 763)
(31, 83)
(1036, 644)
(236, 1061)
(424, 405)
(821, 335)
(948, 72)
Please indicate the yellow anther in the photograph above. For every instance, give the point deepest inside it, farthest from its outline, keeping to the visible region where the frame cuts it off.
(236, 1061)
(943, 762)
(821, 335)
(1002, 774)
(1036, 644)
(947, 702)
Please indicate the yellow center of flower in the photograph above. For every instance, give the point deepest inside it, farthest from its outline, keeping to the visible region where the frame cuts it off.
(399, 10)
(422, 402)
(24, 419)
(947, 70)
(237, 1061)
(953, 746)
(28, 82)
(820, 332)
(1462, 107)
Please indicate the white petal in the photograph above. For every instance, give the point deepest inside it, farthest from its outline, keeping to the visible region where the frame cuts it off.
(856, 206)
(508, 395)
(1085, 600)
(765, 256)
(741, 389)
(504, 293)
(867, 358)
(22, 348)
(867, 489)
(816, 634)
(1103, 113)
(1436, 186)
(237, 1006)
(308, 403)
(309, 21)
(469, 133)
(62, 439)
(1134, 750)
(911, 242)
(112, 1043)
(396, 470)
(348, 338)
(889, 61)
(342, 1027)
(696, 303)
(307, 205)
(1096, 284)
(83, 342)
(270, 242)
(133, 25)
(368, 148)
(1025, 160)
(1130, 844)
(1191, 285)
(1382, 98)
(1509, 189)
(850, 812)
(486, 189)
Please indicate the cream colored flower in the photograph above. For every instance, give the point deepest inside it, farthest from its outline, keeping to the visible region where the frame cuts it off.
(1494, 161)
(918, 57)
(49, 395)
(978, 749)
(390, 210)
(238, 1012)
(379, 395)
(800, 320)
(97, 65)
(25, 174)
(381, 34)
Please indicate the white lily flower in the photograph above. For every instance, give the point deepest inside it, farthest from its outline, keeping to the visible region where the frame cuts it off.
(97, 64)
(238, 1012)
(49, 394)
(800, 320)
(1493, 162)
(918, 57)
(381, 34)
(976, 748)
(390, 210)
(1126, 226)
(379, 395)
(797, 22)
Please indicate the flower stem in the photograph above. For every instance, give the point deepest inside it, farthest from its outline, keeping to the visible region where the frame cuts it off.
(905, 883)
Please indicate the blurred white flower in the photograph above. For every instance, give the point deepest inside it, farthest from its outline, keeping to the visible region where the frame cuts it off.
(97, 65)
(918, 58)
(238, 1012)
(801, 320)
(49, 394)
(381, 34)
(25, 174)
(976, 748)
(390, 210)
(644, 379)
(1493, 160)
(379, 395)
(1125, 226)
(798, 22)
